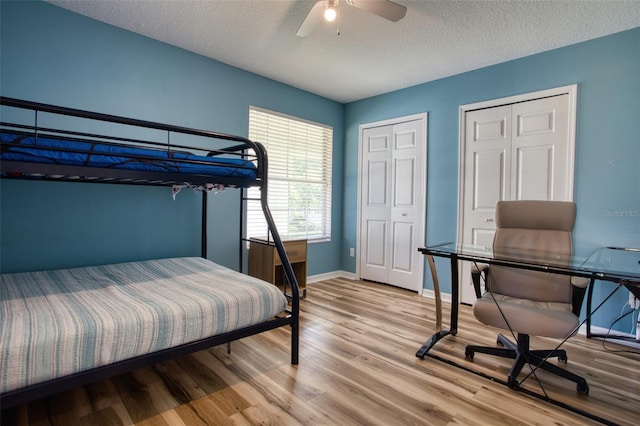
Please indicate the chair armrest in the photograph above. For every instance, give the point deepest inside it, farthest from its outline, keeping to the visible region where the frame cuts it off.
(477, 270)
(579, 282)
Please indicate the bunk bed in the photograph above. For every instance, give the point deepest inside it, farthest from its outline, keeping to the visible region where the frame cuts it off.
(57, 329)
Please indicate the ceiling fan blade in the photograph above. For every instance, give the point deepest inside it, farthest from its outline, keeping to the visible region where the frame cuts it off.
(313, 20)
(383, 8)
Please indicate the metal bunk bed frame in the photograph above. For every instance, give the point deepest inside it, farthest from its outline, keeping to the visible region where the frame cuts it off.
(8, 169)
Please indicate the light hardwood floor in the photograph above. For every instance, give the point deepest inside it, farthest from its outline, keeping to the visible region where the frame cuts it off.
(357, 367)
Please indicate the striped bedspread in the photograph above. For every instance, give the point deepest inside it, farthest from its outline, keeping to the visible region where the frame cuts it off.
(55, 323)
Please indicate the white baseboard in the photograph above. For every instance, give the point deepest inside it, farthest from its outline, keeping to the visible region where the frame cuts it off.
(601, 330)
(445, 297)
(331, 276)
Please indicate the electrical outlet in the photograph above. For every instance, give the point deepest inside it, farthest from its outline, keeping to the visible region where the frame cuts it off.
(352, 252)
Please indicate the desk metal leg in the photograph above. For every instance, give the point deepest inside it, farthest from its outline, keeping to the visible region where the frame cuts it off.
(589, 301)
(455, 297)
(453, 323)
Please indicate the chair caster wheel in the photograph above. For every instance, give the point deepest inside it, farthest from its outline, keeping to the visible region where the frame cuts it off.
(499, 342)
(513, 383)
(583, 388)
(563, 358)
(468, 353)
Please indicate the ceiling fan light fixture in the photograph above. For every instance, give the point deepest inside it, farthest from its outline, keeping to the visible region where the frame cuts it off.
(327, 11)
(330, 14)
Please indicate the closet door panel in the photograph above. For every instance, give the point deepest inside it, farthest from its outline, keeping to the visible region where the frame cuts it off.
(534, 173)
(376, 203)
(542, 162)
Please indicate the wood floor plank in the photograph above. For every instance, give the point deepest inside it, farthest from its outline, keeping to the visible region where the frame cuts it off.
(135, 397)
(104, 417)
(357, 367)
(97, 396)
(203, 411)
(530, 412)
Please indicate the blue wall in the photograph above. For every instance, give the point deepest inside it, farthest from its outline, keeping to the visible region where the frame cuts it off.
(607, 165)
(54, 56)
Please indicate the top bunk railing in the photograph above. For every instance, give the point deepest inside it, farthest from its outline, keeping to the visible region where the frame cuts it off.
(181, 154)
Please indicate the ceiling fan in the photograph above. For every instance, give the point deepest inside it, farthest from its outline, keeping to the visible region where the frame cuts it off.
(328, 10)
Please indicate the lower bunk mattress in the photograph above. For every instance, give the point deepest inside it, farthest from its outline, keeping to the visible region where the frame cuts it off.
(60, 322)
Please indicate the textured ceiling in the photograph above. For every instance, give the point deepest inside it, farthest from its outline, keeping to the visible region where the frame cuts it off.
(371, 55)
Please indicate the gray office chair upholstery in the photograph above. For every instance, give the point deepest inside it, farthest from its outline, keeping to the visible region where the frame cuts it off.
(532, 302)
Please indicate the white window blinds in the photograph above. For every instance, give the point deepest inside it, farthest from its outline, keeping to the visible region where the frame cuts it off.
(299, 176)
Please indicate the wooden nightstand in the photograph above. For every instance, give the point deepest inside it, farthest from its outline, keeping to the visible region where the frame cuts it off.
(265, 263)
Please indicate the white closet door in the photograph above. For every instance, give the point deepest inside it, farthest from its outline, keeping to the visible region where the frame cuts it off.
(520, 151)
(376, 203)
(407, 204)
(392, 203)
(488, 170)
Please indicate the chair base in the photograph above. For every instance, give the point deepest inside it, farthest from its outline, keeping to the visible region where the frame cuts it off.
(522, 355)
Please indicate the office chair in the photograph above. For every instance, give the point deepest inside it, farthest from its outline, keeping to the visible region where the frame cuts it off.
(532, 302)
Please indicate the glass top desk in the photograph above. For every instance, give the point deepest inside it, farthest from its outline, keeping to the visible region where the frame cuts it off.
(618, 265)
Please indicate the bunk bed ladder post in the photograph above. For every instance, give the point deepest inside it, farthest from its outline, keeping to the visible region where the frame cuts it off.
(286, 264)
(241, 239)
(203, 236)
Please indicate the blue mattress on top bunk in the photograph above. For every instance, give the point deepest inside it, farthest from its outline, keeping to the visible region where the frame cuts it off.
(43, 149)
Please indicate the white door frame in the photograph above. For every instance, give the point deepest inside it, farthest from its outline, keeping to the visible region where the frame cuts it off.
(423, 173)
(571, 90)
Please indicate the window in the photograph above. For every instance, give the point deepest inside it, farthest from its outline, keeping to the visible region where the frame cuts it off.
(299, 179)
